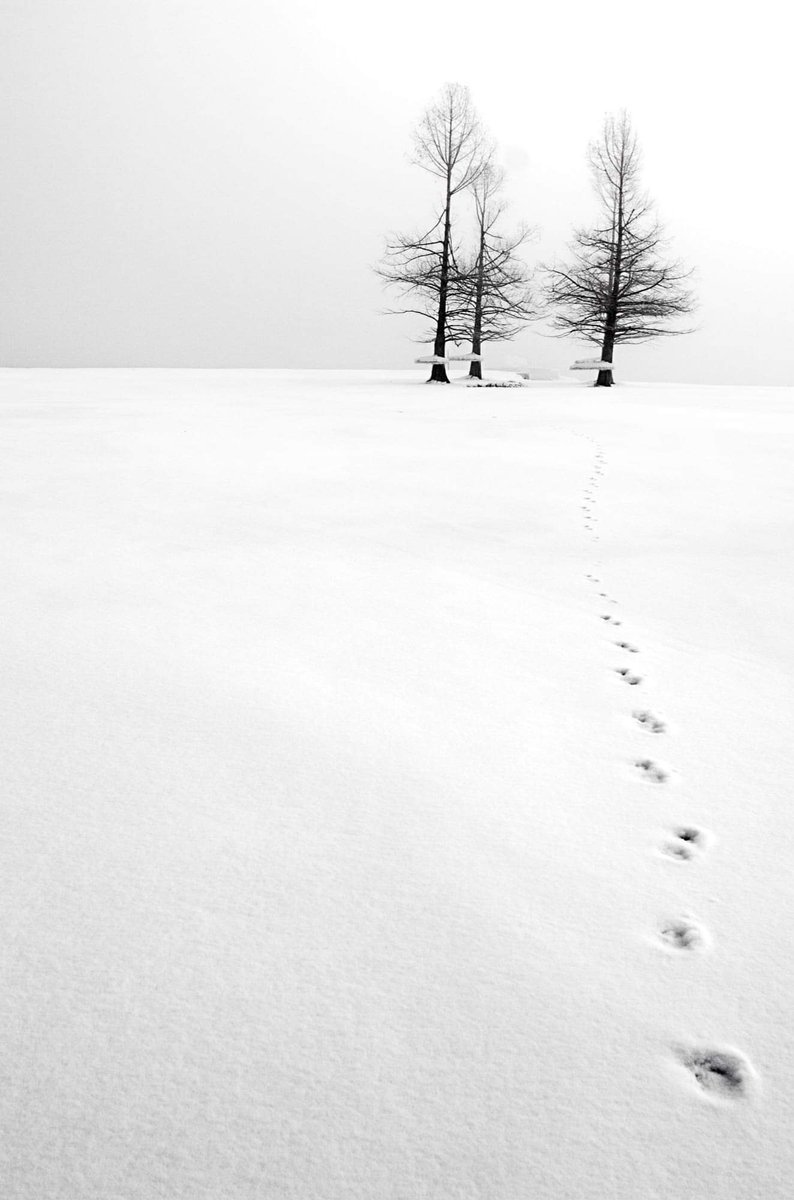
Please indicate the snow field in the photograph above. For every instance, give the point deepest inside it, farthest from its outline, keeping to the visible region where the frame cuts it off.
(396, 793)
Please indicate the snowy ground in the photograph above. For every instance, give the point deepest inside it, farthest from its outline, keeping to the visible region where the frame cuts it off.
(334, 863)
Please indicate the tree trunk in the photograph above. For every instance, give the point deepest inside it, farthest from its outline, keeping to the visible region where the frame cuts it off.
(475, 370)
(607, 350)
(610, 325)
(439, 371)
(608, 345)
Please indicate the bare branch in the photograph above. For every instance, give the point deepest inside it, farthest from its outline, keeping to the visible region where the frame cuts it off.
(491, 286)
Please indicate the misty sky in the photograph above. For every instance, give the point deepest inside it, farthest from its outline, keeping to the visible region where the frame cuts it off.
(197, 183)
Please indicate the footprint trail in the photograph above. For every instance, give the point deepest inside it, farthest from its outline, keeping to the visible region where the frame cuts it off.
(720, 1075)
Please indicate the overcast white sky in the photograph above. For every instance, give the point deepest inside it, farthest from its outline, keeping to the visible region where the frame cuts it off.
(189, 182)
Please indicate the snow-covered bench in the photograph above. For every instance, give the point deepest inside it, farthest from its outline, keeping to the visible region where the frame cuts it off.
(437, 358)
(590, 364)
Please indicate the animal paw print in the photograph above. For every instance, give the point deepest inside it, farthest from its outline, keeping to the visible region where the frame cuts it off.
(720, 1073)
(648, 721)
(651, 771)
(683, 934)
(686, 843)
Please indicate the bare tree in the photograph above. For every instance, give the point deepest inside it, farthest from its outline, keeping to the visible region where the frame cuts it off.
(449, 144)
(491, 294)
(414, 263)
(619, 287)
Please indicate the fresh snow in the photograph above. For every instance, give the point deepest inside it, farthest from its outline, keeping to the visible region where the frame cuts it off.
(537, 373)
(397, 789)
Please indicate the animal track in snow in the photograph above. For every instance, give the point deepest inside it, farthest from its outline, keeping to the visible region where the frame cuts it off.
(681, 933)
(651, 771)
(720, 1073)
(692, 835)
(627, 646)
(648, 721)
(679, 850)
(610, 618)
(631, 680)
(687, 841)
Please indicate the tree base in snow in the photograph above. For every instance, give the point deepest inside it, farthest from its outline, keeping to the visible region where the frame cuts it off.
(493, 383)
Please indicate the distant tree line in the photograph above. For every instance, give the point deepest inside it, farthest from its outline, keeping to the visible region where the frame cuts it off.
(619, 284)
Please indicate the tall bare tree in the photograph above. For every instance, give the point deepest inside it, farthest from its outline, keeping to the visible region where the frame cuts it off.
(619, 286)
(449, 144)
(491, 294)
